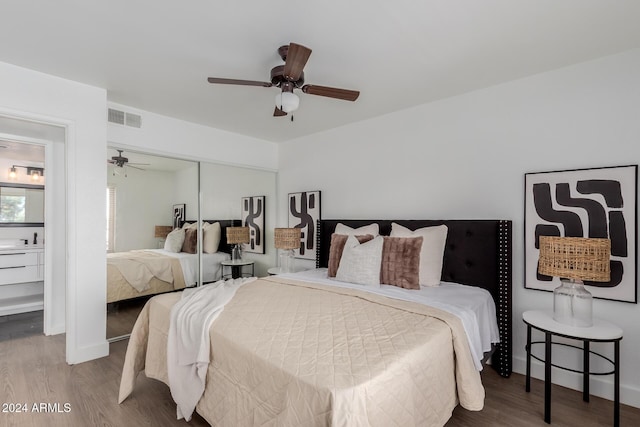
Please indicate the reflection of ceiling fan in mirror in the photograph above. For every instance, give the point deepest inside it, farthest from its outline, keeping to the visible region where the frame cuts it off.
(288, 77)
(120, 161)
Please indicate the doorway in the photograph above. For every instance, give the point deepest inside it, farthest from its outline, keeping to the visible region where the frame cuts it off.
(21, 255)
(43, 310)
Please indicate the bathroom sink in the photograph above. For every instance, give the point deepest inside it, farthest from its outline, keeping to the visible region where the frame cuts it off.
(11, 243)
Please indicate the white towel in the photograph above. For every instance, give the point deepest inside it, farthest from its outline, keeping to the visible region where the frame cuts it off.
(188, 341)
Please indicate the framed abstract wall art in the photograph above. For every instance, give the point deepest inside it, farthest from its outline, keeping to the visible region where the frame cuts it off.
(253, 217)
(179, 212)
(304, 213)
(596, 203)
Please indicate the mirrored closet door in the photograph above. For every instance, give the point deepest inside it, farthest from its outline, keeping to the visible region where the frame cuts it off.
(149, 198)
(247, 198)
(149, 201)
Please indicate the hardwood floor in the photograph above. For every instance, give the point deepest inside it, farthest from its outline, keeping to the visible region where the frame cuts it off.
(21, 325)
(508, 404)
(33, 371)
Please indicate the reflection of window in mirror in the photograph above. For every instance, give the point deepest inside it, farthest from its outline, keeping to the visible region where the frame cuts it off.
(21, 204)
(13, 201)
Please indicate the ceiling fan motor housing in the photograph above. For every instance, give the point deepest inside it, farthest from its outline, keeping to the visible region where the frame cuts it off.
(278, 78)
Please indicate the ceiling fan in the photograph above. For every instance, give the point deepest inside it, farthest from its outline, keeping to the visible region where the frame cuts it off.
(121, 161)
(288, 77)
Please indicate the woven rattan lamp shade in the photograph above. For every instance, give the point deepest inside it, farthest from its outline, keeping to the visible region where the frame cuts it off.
(575, 258)
(237, 235)
(287, 238)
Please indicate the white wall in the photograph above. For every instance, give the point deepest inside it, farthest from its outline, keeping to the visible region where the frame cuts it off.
(178, 138)
(82, 110)
(465, 157)
(144, 199)
(186, 191)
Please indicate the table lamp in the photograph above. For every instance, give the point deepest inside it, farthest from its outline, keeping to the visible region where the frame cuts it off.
(237, 236)
(287, 239)
(574, 259)
(161, 232)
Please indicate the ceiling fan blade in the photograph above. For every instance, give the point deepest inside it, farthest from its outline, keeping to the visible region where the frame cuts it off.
(238, 82)
(331, 92)
(138, 164)
(278, 112)
(297, 57)
(133, 167)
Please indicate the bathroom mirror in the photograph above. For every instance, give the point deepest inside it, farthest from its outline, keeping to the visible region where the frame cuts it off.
(21, 205)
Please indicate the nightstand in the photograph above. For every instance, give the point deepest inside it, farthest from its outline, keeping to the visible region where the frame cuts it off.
(601, 331)
(236, 268)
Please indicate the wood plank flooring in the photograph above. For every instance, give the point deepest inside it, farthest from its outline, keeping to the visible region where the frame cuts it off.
(21, 325)
(33, 370)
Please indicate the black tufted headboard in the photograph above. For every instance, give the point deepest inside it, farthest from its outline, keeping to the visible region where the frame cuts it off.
(224, 223)
(477, 253)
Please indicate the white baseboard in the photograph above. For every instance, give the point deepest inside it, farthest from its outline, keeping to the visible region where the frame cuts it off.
(55, 329)
(601, 386)
(84, 354)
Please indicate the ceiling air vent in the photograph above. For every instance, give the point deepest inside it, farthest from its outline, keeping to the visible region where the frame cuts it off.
(121, 118)
(133, 120)
(116, 116)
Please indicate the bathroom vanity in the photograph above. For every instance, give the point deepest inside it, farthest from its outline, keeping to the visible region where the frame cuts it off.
(21, 278)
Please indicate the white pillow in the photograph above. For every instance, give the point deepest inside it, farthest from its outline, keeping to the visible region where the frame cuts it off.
(174, 240)
(360, 263)
(431, 253)
(189, 224)
(373, 229)
(211, 239)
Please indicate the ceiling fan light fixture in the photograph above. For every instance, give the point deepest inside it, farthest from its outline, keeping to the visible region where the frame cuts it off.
(287, 101)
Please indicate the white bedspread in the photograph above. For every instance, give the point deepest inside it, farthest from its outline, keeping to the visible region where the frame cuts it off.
(472, 305)
(211, 265)
(188, 340)
(139, 267)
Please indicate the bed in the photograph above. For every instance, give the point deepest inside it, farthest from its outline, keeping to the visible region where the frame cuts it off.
(288, 351)
(165, 271)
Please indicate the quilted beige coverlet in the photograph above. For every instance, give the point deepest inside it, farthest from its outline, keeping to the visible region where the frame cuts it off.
(118, 288)
(288, 353)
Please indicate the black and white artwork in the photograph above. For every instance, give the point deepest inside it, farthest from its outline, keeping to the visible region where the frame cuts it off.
(304, 213)
(597, 203)
(253, 217)
(178, 215)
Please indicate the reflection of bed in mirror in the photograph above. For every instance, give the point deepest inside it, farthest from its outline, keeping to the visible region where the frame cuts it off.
(147, 272)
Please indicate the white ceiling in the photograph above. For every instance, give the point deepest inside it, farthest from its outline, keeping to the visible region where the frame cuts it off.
(156, 55)
(17, 151)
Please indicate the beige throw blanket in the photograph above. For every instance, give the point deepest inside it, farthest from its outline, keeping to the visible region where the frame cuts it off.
(139, 267)
(294, 353)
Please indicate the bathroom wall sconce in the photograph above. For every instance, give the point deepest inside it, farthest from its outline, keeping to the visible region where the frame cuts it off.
(33, 171)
